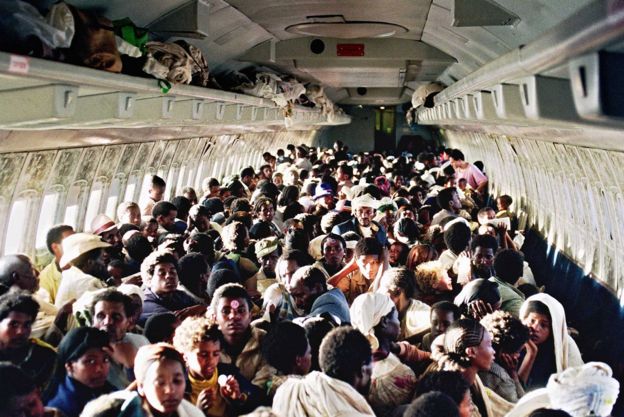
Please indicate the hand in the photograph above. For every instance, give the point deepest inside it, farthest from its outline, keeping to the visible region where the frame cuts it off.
(510, 363)
(133, 279)
(205, 399)
(230, 389)
(479, 309)
(63, 314)
(395, 348)
(531, 348)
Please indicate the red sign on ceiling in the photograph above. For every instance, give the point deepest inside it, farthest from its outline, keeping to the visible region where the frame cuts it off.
(350, 49)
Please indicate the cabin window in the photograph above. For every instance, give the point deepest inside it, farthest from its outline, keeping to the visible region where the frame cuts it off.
(98, 191)
(47, 215)
(76, 200)
(131, 187)
(113, 196)
(20, 226)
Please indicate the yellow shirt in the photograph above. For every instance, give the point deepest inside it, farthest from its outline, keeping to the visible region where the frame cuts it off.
(217, 409)
(50, 279)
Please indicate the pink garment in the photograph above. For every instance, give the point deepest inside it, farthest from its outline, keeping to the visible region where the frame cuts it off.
(472, 174)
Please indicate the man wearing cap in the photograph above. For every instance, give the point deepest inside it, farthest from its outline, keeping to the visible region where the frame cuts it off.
(363, 224)
(267, 253)
(87, 272)
(324, 198)
(107, 230)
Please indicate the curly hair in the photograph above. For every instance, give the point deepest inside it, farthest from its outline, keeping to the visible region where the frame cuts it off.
(342, 353)
(462, 334)
(193, 331)
(157, 257)
(233, 236)
(508, 332)
(428, 274)
(399, 279)
(283, 344)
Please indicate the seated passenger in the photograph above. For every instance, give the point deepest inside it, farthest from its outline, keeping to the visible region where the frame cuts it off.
(432, 404)
(451, 384)
(333, 248)
(508, 338)
(264, 210)
(155, 194)
(456, 239)
(82, 372)
(364, 272)
(107, 230)
(231, 309)
(18, 311)
(345, 358)
(21, 397)
(467, 347)
(482, 249)
(267, 252)
(308, 289)
(286, 348)
(160, 273)
(508, 269)
(50, 276)
(392, 382)
(397, 254)
(165, 214)
(478, 298)
(550, 349)
(110, 312)
(443, 314)
(218, 389)
(400, 285)
(449, 203)
(193, 276)
(129, 212)
(433, 282)
(83, 253)
(362, 223)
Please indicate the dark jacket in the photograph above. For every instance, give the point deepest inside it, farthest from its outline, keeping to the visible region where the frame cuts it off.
(36, 358)
(71, 396)
(154, 304)
(352, 226)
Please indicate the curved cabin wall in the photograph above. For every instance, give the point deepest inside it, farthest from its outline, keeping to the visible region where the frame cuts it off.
(39, 189)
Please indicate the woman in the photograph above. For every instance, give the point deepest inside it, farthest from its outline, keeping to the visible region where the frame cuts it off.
(467, 347)
(420, 254)
(399, 284)
(550, 349)
(160, 273)
(433, 282)
(83, 366)
(392, 382)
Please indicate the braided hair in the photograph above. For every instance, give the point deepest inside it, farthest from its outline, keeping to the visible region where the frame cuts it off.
(462, 334)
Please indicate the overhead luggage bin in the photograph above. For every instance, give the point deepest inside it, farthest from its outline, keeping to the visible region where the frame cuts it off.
(484, 106)
(38, 105)
(507, 102)
(548, 99)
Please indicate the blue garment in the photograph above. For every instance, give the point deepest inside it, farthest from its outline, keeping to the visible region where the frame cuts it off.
(333, 302)
(71, 396)
(353, 226)
(154, 304)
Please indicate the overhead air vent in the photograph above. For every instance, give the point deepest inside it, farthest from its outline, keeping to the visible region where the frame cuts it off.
(481, 13)
(190, 20)
(336, 26)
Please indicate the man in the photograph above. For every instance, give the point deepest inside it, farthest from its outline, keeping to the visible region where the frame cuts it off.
(50, 276)
(302, 162)
(333, 248)
(231, 309)
(345, 358)
(21, 397)
(18, 311)
(82, 253)
(509, 267)
(107, 230)
(482, 249)
(449, 203)
(364, 272)
(267, 253)
(308, 289)
(156, 194)
(344, 176)
(277, 300)
(476, 179)
(165, 214)
(247, 177)
(324, 198)
(363, 224)
(110, 312)
(266, 172)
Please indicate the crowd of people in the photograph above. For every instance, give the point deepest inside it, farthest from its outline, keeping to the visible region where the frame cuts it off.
(322, 283)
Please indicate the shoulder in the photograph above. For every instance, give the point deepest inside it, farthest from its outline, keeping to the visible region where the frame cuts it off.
(42, 349)
(187, 409)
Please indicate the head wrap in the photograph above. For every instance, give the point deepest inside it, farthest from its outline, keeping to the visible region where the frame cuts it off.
(77, 341)
(367, 311)
(149, 354)
(584, 390)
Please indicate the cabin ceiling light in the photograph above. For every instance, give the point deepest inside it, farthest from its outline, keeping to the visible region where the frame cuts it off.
(335, 26)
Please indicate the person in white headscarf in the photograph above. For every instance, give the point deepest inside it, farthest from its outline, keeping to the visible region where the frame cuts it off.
(587, 390)
(393, 382)
(550, 348)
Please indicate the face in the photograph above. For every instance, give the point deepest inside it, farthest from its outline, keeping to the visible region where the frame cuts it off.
(440, 321)
(394, 254)
(482, 356)
(445, 283)
(397, 295)
(203, 360)
(202, 223)
(303, 296)
(278, 180)
(132, 216)
(364, 215)
(156, 193)
(233, 316)
(113, 238)
(165, 279)
(266, 213)
(483, 258)
(328, 202)
(303, 363)
(167, 221)
(462, 184)
(286, 269)
(539, 326)
(267, 172)
(465, 407)
(455, 163)
(409, 214)
(57, 248)
(392, 327)
(164, 385)
(91, 369)
(192, 196)
(28, 405)
(15, 330)
(111, 317)
(28, 277)
(268, 264)
(333, 252)
(455, 202)
(369, 265)
(151, 231)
